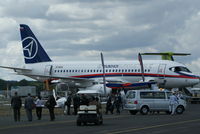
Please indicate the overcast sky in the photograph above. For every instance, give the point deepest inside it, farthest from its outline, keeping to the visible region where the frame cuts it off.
(74, 30)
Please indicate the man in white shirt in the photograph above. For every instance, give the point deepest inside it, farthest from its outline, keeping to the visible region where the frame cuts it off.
(173, 101)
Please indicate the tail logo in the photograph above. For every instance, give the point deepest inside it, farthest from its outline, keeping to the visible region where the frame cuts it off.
(30, 47)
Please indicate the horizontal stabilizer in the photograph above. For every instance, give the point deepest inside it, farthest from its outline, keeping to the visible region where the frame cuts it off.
(167, 55)
(15, 68)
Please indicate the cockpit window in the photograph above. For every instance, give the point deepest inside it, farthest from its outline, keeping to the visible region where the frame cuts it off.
(179, 68)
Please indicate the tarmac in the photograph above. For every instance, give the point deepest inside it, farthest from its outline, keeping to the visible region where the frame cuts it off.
(188, 122)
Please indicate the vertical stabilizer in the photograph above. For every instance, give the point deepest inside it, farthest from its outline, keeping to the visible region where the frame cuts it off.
(32, 49)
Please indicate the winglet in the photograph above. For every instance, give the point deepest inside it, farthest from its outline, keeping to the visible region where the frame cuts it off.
(32, 49)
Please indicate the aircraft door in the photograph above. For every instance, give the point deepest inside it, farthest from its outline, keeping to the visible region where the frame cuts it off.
(161, 75)
(48, 70)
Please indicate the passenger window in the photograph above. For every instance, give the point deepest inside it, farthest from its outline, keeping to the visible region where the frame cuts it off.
(159, 95)
(146, 95)
(130, 95)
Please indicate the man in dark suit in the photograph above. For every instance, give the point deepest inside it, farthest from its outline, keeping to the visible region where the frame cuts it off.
(29, 105)
(16, 104)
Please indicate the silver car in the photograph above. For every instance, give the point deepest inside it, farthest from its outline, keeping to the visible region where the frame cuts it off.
(144, 101)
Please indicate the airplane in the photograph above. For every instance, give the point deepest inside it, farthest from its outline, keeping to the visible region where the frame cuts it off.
(88, 75)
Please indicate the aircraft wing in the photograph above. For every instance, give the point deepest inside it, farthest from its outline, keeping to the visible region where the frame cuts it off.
(16, 68)
(137, 85)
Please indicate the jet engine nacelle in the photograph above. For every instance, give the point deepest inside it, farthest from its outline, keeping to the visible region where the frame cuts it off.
(98, 88)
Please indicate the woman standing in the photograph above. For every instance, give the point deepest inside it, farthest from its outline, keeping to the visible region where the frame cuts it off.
(38, 104)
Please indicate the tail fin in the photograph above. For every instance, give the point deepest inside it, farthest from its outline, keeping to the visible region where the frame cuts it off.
(32, 49)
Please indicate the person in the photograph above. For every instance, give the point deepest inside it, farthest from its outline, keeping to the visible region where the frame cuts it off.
(29, 105)
(92, 101)
(180, 95)
(50, 104)
(38, 104)
(173, 100)
(68, 104)
(84, 100)
(118, 103)
(98, 104)
(76, 103)
(95, 101)
(110, 105)
(16, 104)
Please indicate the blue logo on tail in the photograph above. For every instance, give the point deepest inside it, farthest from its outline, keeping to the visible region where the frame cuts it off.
(32, 49)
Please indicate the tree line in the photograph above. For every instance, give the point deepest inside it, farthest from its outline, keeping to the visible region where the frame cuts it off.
(8, 84)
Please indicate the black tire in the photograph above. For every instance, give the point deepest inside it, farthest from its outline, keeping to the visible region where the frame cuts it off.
(180, 109)
(97, 122)
(133, 112)
(78, 123)
(144, 110)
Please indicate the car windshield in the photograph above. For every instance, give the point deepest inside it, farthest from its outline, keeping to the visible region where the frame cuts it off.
(180, 68)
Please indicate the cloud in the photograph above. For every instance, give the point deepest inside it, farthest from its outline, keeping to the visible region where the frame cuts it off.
(80, 30)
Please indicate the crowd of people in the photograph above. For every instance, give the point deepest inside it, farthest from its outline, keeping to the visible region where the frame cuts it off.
(114, 101)
(30, 103)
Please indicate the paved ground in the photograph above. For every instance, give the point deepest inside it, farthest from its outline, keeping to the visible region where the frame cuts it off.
(188, 122)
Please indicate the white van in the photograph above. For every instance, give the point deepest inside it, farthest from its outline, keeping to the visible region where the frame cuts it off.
(145, 101)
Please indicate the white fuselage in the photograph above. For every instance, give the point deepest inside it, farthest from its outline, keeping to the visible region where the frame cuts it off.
(161, 71)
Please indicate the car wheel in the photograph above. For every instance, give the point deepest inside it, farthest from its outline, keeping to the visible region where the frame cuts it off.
(180, 109)
(133, 112)
(144, 110)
